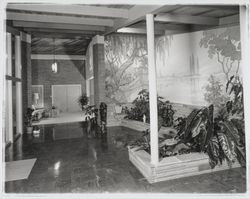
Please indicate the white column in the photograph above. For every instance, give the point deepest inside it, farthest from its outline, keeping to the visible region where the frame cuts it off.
(245, 60)
(152, 90)
(8, 102)
(18, 70)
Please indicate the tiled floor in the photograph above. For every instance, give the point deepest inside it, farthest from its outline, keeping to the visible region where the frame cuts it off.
(70, 161)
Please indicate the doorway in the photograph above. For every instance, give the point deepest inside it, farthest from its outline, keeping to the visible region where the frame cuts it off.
(65, 97)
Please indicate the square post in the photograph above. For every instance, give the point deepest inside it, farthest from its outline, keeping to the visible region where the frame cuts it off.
(8, 100)
(98, 69)
(18, 70)
(152, 90)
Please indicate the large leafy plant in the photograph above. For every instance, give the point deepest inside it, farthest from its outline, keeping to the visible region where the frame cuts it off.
(141, 108)
(221, 137)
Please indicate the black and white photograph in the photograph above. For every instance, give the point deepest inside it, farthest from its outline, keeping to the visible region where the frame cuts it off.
(124, 97)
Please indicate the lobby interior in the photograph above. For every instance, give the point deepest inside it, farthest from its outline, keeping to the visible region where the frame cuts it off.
(109, 53)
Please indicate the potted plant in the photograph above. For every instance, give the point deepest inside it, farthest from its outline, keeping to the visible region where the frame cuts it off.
(36, 131)
(83, 101)
(29, 118)
(53, 111)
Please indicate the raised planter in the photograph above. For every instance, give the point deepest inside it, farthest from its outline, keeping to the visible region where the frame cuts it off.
(141, 126)
(173, 167)
(136, 125)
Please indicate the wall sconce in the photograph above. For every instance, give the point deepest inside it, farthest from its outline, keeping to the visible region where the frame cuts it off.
(54, 65)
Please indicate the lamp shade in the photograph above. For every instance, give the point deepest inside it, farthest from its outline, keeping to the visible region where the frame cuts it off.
(36, 96)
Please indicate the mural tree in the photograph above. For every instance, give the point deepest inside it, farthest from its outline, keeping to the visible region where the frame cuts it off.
(122, 52)
(162, 49)
(214, 92)
(225, 46)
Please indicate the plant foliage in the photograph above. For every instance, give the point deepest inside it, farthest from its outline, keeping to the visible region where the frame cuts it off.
(221, 138)
(83, 101)
(29, 117)
(141, 108)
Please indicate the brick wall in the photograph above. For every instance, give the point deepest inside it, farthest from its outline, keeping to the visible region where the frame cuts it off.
(26, 75)
(69, 72)
(99, 73)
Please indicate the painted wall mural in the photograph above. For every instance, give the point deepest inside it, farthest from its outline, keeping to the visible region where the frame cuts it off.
(195, 61)
(126, 66)
(188, 65)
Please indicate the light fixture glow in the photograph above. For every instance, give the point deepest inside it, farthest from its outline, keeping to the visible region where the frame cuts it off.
(54, 65)
(57, 165)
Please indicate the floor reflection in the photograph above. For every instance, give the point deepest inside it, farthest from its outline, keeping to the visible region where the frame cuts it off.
(66, 132)
(73, 158)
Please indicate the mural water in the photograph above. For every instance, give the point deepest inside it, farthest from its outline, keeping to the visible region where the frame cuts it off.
(184, 64)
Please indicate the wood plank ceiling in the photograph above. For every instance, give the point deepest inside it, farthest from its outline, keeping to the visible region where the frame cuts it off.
(69, 28)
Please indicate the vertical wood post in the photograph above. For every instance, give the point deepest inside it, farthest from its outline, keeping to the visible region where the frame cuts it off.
(8, 102)
(18, 70)
(152, 90)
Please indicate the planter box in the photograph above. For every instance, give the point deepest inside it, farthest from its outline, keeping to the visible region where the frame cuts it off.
(136, 125)
(141, 126)
(173, 167)
(170, 167)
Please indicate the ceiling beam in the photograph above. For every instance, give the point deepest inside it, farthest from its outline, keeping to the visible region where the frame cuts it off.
(230, 20)
(186, 19)
(65, 31)
(173, 32)
(160, 26)
(58, 19)
(60, 35)
(230, 8)
(138, 31)
(48, 25)
(72, 9)
(57, 57)
(224, 22)
(195, 28)
(12, 30)
(138, 13)
(55, 33)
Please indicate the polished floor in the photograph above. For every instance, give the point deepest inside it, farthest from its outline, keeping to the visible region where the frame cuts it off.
(67, 117)
(70, 161)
